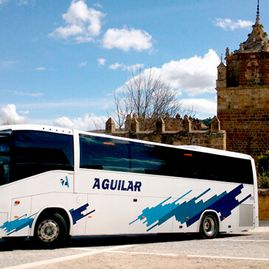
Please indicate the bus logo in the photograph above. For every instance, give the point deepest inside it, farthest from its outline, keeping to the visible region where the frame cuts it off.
(117, 184)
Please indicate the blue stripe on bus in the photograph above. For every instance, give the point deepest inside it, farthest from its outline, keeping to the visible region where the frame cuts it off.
(15, 225)
(78, 214)
(190, 211)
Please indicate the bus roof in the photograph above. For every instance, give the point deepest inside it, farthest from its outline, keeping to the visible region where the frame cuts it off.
(36, 127)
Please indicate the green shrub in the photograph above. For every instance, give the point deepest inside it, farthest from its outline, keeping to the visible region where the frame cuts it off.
(263, 163)
(263, 170)
(263, 181)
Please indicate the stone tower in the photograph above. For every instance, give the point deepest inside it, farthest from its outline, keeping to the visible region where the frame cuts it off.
(243, 93)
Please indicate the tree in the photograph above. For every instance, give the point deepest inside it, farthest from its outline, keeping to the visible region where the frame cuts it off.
(147, 96)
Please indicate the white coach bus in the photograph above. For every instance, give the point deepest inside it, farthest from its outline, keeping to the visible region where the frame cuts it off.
(56, 183)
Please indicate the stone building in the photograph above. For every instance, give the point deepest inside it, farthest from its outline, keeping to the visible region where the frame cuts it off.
(243, 94)
(172, 130)
(242, 105)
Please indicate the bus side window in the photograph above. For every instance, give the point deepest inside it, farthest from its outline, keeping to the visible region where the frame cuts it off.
(4, 161)
(4, 173)
(147, 159)
(104, 153)
(35, 152)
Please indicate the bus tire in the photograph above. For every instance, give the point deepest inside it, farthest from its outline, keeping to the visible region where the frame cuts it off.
(51, 230)
(209, 226)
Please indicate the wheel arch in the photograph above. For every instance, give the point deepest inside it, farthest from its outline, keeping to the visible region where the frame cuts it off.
(209, 211)
(206, 212)
(49, 211)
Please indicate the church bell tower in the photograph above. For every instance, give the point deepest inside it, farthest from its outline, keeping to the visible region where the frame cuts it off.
(243, 93)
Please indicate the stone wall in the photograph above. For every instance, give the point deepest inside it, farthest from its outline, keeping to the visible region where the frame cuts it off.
(175, 131)
(248, 69)
(264, 204)
(244, 115)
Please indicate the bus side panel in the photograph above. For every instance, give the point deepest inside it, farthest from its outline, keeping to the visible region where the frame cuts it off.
(189, 199)
(243, 215)
(118, 199)
(21, 200)
(20, 212)
(233, 203)
(3, 220)
(256, 198)
(75, 205)
(118, 215)
(161, 202)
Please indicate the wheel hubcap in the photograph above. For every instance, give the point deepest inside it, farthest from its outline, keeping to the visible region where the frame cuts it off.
(209, 226)
(48, 231)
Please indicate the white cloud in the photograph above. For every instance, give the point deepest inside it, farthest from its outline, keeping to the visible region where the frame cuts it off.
(23, 2)
(40, 68)
(115, 66)
(200, 107)
(87, 122)
(64, 122)
(125, 39)
(28, 94)
(229, 24)
(82, 23)
(193, 76)
(82, 64)
(9, 115)
(190, 77)
(101, 61)
(129, 68)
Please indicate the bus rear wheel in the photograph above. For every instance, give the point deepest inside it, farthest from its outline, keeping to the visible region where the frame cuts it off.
(51, 230)
(209, 227)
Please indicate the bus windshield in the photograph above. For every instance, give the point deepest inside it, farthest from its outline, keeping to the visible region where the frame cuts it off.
(4, 159)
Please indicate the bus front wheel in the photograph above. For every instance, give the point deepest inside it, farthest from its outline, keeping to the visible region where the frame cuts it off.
(209, 227)
(51, 230)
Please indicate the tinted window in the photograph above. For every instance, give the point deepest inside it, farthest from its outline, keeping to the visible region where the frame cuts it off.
(4, 160)
(35, 152)
(104, 153)
(117, 155)
(147, 159)
(214, 167)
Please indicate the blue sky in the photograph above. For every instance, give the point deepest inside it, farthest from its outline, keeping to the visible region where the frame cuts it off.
(61, 61)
